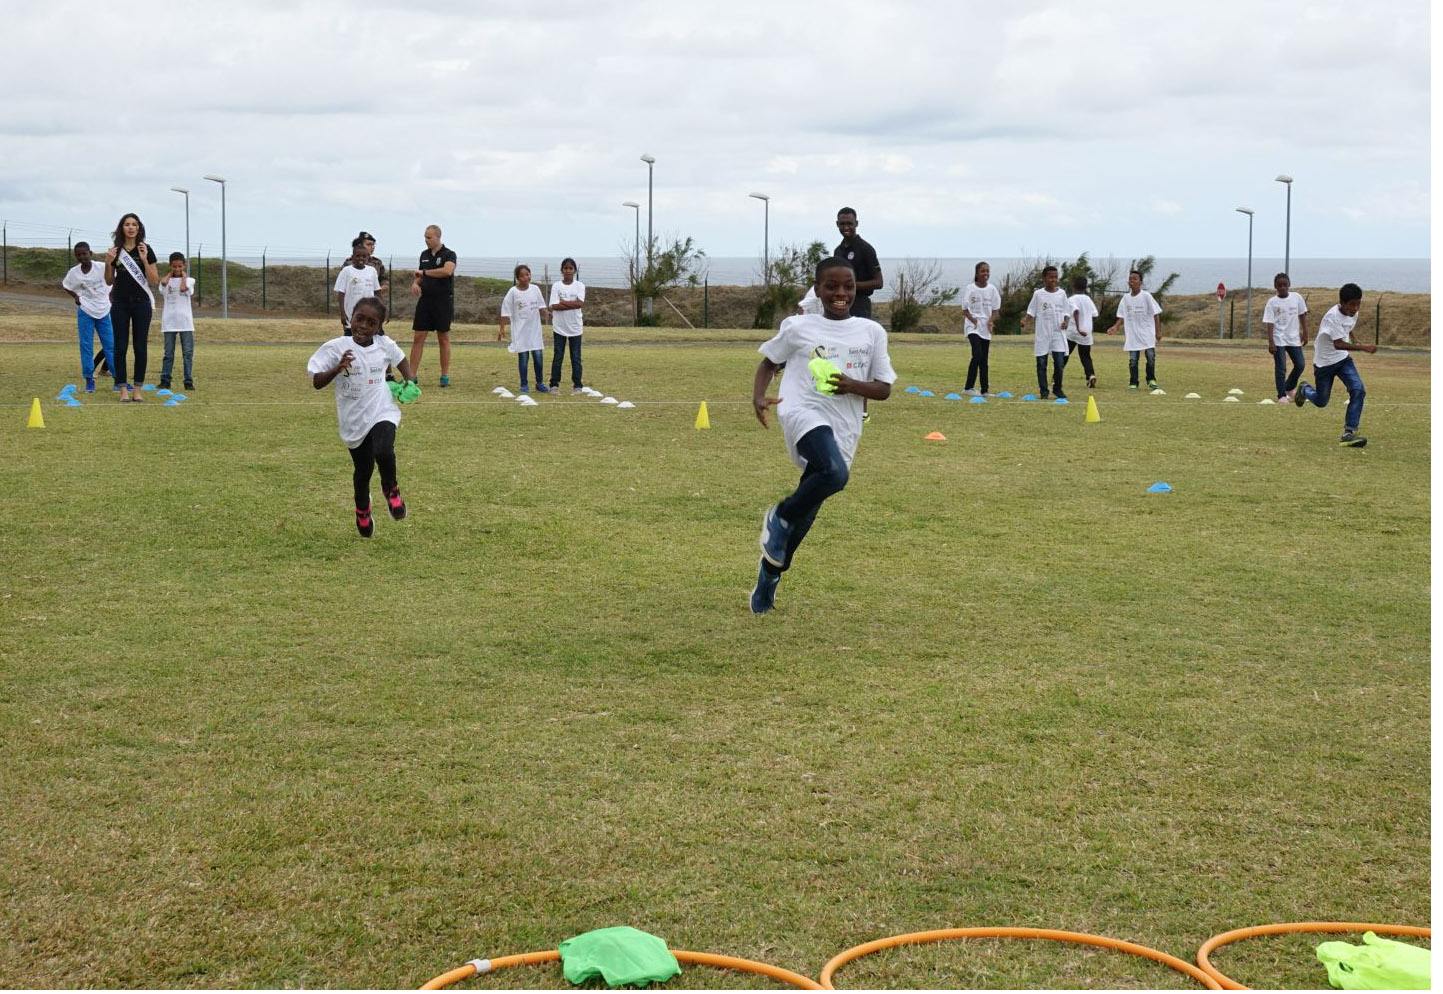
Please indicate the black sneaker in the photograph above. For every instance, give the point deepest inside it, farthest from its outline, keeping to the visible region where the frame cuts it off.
(1092, 383)
(1352, 440)
(165, 384)
(365, 524)
(190, 384)
(764, 594)
(395, 504)
(1045, 395)
(1300, 395)
(1059, 395)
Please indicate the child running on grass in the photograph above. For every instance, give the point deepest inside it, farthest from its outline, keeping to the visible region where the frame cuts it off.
(365, 408)
(1331, 361)
(523, 310)
(86, 284)
(1079, 336)
(980, 304)
(1050, 312)
(1286, 318)
(833, 361)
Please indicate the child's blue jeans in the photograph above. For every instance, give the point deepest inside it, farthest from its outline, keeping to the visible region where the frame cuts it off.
(560, 345)
(535, 357)
(1348, 373)
(89, 328)
(826, 474)
(1132, 366)
(1280, 365)
(1059, 359)
(187, 352)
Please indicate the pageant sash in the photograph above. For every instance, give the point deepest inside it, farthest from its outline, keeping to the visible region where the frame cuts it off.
(133, 268)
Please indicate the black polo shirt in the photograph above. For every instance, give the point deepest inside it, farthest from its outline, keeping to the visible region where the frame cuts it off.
(437, 287)
(863, 259)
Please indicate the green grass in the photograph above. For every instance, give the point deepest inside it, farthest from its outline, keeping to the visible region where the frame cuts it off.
(1003, 686)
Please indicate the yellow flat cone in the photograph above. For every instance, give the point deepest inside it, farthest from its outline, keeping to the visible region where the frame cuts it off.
(702, 421)
(1092, 416)
(36, 419)
(935, 436)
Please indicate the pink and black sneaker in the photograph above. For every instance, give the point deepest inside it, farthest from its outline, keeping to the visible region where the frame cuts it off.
(396, 505)
(365, 524)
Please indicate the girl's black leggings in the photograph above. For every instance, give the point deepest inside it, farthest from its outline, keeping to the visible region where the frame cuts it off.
(131, 320)
(378, 448)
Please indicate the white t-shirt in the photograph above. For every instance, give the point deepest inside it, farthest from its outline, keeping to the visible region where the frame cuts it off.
(1335, 327)
(362, 397)
(1083, 311)
(811, 303)
(1283, 313)
(567, 322)
(176, 315)
(91, 288)
(356, 284)
(980, 302)
(524, 308)
(1048, 310)
(1137, 311)
(858, 347)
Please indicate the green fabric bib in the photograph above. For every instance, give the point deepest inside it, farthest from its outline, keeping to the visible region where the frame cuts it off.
(618, 955)
(1379, 964)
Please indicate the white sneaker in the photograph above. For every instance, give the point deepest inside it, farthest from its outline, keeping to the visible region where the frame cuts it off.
(974, 392)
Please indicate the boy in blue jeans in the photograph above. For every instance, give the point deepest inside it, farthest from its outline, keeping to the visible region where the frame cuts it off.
(86, 284)
(832, 362)
(177, 320)
(1331, 361)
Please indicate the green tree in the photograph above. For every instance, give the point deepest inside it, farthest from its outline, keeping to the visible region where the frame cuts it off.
(787, 279)
(678, 264)
(916, 290)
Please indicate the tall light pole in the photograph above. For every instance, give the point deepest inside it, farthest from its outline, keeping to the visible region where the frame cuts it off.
(1249, 212)
(1288, 226)
(182, 190)
(766, 236)
(635, 253)
(650, 164)
(224, 296)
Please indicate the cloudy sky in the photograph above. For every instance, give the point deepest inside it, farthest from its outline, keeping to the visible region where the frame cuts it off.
(957, 129)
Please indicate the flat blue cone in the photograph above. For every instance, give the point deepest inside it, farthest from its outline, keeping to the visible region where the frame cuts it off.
(1029, 396)
(147, 386)
(954, 396)
(177, 397)
(68, 388)
(928, 393)
(171, 403)
(62, 397)
(914, 390)
(1060, 400)
(72, 402)
(1004, 393)
(1159, 488)
(978, 400)
(163, 393)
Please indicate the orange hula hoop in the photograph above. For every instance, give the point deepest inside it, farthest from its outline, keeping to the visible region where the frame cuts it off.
(1055, 935)
(476, 966)
(1253, 931)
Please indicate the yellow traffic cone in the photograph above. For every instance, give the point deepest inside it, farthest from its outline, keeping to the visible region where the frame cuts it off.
(1092, 416)
(702, 421)
(36, 420)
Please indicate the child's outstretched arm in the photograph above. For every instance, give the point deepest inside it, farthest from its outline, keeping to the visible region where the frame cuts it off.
(766, 371)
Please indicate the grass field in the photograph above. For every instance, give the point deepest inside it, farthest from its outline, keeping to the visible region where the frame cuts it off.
(1003, 685)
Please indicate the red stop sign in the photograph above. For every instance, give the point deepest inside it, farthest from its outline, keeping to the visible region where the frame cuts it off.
(1222, 291)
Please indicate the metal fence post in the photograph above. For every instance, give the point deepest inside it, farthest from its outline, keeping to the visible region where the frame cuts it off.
(391, 265)
(1232, 313)
(263, 276)
(5, 237)
(199, 263)
(705, 301)
(1378, 320)
(328, 283)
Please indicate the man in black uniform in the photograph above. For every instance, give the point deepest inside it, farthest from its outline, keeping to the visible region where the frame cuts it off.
(435, 287)
(863, 259)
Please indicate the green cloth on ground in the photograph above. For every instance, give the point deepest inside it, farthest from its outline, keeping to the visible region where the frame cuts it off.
(1377, 965)
(618, 955)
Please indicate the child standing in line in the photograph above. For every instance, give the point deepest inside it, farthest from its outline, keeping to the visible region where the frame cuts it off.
(355, 281)
(1331, 361)
(980, 304)
(1138, 316)
(1286, 318)
(176, 320)
(1079, 336)
(86, 284)
(523, 310)
(1050, 312)
(366, 412)
(567, 298)
(833, 361)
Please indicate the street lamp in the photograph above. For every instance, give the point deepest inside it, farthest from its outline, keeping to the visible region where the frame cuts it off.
(1288, 228)
(650, 164)
(766, 236)
(635, 250)
(1249, 212)
(224, 296)
(182, 190)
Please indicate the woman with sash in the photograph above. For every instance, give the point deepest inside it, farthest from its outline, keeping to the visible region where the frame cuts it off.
(130, 271)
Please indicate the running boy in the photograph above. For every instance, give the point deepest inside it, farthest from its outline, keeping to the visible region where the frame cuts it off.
(1286, 318)
(833, 361)
(365, 409)
(1331, 361)
(1137, 315)
(1079, 336)
(356, 280)
(86, 284)
(176, 320)
(980, 303)
(1050, 312)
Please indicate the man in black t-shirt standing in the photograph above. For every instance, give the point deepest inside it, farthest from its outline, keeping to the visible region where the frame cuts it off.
(863, 259)
(435, 287)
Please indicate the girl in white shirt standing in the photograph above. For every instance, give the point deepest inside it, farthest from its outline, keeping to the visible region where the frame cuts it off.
(980, 304)
(366, 411)
(523, 310)
(567, 298)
